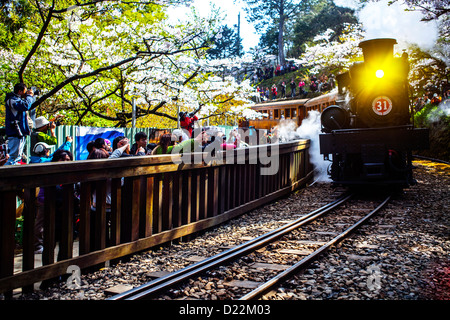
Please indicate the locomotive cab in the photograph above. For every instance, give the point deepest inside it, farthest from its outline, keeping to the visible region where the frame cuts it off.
(370, 133)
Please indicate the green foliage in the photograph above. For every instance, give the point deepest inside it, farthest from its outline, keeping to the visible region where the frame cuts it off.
(226, 44)
(270, 14)
(15, 15)
(431, 114)
(323, 15)
(437, 120)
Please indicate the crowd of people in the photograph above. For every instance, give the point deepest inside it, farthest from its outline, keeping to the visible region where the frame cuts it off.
(432, 98)
(268, 72)
(43, 139)
(322, 83)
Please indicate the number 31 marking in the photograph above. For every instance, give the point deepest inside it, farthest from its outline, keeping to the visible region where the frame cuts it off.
(382, 105)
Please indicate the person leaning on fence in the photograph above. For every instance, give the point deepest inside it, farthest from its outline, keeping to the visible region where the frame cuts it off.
(100, 144)
(234, 138)
(17, 104)
(165, 144)
(191, 145)
(181, 135)
(100, 154)
(41, 151)
(121, 148)
(140, 139)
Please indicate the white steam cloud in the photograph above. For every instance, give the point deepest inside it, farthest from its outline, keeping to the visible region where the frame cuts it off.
(310, 129)
(437, 114)
(381, 20)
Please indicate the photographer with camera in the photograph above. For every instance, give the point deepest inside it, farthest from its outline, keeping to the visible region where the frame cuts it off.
(17, 104)
(187, 121)
(44, 131)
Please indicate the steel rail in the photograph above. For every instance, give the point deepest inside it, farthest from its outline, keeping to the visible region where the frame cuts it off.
(308, 259)
(430, 159)
(173, 278)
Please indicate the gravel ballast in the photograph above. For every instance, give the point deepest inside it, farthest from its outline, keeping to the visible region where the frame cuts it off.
(401, 254)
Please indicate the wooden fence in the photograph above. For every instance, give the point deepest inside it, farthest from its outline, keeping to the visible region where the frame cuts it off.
(154, 200)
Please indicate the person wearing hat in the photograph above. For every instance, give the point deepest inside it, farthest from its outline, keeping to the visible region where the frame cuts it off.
(41, 151)
(187, 121)
(44, 131)
(40, 134)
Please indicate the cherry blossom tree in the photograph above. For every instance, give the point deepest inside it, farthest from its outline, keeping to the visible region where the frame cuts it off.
(333, 56)
(99, 57)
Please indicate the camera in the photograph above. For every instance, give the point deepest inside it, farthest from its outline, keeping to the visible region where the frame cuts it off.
(15, 125)
(3, 150)
(56, 123)
(182, 115)
(36, 90)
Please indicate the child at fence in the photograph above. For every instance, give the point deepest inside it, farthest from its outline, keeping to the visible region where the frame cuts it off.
(41, 151)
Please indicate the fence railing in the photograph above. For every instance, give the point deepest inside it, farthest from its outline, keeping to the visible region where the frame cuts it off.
(153, 200)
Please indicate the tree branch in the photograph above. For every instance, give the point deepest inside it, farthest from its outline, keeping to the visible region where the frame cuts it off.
(37, 42)
(79, 77)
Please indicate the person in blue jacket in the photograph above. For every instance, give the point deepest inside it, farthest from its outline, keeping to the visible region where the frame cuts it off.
(42, 151)
(17, 104)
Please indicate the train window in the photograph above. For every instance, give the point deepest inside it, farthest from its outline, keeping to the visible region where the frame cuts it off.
(276, 114)
(271, 114)
(288, 113)
(282, 113)
(294, 113)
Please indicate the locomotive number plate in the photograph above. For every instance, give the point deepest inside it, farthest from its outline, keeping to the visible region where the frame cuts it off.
(382, 105)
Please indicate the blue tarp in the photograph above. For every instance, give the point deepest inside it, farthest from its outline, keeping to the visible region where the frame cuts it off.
(87, 134)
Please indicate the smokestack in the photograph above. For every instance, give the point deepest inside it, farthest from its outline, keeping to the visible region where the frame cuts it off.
(377, 51)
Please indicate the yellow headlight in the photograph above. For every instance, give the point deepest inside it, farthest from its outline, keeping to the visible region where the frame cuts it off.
(379, 74)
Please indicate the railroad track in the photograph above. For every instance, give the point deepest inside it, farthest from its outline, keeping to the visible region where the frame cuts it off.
(289, 231)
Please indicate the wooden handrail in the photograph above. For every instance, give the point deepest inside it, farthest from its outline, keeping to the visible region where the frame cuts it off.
(154, 199)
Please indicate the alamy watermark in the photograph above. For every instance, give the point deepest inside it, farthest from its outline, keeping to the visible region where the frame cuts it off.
(73, 282)
(374, 278)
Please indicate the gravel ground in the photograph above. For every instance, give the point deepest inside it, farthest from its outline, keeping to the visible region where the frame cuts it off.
(403, 253)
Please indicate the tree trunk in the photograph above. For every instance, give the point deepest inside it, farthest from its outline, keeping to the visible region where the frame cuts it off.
(280, 35)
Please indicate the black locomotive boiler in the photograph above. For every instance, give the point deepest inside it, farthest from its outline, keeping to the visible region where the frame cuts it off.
(370, 132)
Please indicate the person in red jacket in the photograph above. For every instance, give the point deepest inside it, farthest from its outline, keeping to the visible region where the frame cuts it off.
(187, 122)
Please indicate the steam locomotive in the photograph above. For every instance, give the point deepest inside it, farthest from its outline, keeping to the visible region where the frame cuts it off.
(370, 132)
